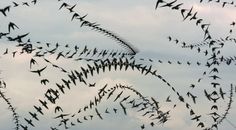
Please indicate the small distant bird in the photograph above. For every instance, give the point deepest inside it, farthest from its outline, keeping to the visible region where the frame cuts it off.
(57, 109)
(4, 10)
(44, 81)
(63, 5)
(71, 8)
(39, 71)
(32, 62)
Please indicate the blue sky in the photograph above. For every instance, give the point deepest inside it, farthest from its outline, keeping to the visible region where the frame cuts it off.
(141, 25)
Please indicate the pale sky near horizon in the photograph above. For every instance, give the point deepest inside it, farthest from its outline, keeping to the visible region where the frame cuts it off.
(141, 25)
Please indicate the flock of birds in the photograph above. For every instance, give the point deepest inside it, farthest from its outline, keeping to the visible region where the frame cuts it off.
(102, 61)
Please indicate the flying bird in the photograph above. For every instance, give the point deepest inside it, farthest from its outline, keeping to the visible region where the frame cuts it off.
(12, 26)
(34, 115)
(4, 10)
(44, 103)
(39, 110)
(158, 2)
(64, 5)
(30, 122)
(44, 81)
(58, 109)
(39, 71)
(32, 62)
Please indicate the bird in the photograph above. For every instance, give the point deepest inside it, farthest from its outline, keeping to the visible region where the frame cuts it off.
(64, 121)
(194, 17)
(99, 115)
(44, 103)
(115, 110)
(34, 115)
(222, 93)
(14, 53)
(152, 124)
(199, 21)
(192, 86)
(177, 7)
(191, 112)
(81, 18)
(25, 3)
(44, 81)
(12, 26)
(79, 120)
(39, 110)
(214, 77)
(118, 96)
(61, 116)
(215, 118)
(168, 99)
(39, 70)
(233, 23)
(189, 13)
(142, 126)
(67, 83)
(92, 85)
(85, 118)
(106, 111)
(57, 109)
(214, 70)
(158, 2)
(169, 38)
(53, 128)
(192, 96)
(61, 87)
(215, 99)
(64, 5)
(75, 15)
(124, 108)
(59, 55)
(4, 10)
(200, 124)
(71, 8)
(197, 118)
(30, 122)
(125, 98)
(34, 1)
(6, 52)
(24, 127)
(214, 107)
(32, 62)
(169, 4)
(15, 4)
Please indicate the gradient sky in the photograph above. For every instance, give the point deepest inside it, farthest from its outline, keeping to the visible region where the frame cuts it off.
(140, 24)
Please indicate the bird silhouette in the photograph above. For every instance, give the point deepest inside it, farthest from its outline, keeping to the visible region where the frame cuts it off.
(24, 127)
(32, 62)
(189, 13)
(44, 81)
(158, 2)
(39, 110)
(15, 4)
(39, 71)
(44, 103)
(4, 10)
(71, 8)
(34, 115)
(30, 122)
(58, 109)
(12, 26)
(169, 4)
(177, 7)
(98, 114)
(34, 1)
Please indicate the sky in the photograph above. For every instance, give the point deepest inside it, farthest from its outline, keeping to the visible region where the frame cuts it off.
(145, 28)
